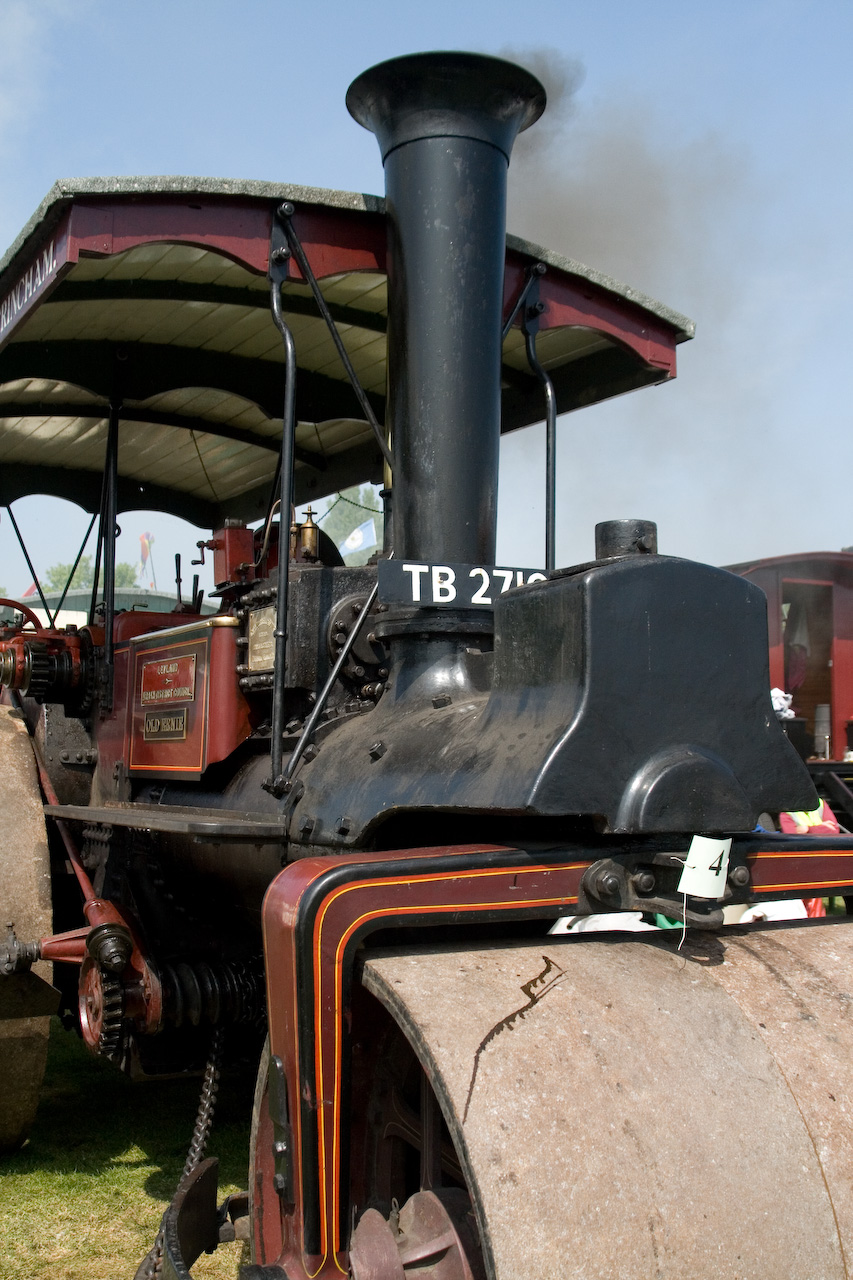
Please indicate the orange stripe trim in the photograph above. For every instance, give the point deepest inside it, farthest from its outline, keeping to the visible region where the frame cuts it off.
(421, 908)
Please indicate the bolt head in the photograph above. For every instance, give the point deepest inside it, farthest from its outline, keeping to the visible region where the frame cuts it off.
(607, 884)
(739, 876)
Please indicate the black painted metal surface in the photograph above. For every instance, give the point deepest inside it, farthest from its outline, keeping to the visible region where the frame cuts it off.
(634, 692)
(445, 124)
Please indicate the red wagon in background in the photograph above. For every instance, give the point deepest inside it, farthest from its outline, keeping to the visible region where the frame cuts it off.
(810, 625)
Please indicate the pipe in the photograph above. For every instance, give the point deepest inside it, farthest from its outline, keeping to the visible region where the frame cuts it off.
(550, 447)
(446, 123)
(275, 782)
(109, 544)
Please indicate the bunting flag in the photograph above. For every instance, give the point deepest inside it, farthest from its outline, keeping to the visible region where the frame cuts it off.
(360, 539)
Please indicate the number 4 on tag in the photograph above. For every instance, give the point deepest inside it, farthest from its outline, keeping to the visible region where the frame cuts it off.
(706, 868)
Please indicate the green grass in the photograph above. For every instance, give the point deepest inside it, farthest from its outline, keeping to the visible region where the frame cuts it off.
(83, 1199)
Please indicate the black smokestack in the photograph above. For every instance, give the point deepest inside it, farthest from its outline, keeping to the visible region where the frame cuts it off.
(446, 123)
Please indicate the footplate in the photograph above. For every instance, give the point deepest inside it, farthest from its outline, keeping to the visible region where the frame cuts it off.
(191, 1222)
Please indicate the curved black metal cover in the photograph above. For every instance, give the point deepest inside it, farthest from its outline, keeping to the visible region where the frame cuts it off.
(634, 690)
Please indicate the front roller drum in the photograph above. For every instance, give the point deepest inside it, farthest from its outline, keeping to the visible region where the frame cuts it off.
(25, 901)
(622, 1108)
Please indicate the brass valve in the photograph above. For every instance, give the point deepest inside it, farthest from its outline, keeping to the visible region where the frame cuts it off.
(309, 537)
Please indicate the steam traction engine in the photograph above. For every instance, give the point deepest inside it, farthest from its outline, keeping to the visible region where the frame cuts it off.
(351, 804)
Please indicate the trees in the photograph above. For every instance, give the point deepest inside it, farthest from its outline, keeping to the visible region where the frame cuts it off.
(55, 578)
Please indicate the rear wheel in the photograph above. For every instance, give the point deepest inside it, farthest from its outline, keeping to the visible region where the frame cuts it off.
(25, 899)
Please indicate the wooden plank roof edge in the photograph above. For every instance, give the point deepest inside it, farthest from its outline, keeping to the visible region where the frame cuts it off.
(66, 190)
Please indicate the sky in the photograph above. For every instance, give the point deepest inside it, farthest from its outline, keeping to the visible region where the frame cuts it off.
(698, 152)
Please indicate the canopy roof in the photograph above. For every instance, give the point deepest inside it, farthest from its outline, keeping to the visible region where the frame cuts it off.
(817, 567)
(152, 292)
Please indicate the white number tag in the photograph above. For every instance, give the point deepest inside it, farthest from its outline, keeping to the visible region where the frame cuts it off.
(706, 868)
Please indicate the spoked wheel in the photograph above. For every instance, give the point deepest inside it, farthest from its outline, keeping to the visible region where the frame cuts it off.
(431, 1236)
(420, 1219)
(24, 902)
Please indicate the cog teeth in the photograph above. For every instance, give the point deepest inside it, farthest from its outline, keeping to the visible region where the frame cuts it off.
(110, 1039)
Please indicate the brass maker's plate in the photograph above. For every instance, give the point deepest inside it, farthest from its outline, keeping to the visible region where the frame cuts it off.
(262, 639)
(168, 680)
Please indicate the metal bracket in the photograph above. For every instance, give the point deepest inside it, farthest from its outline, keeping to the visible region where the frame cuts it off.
(533, 273)
(647, 882)
(282, 1145)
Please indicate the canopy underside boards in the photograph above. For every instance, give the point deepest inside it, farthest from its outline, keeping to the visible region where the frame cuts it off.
(153, 293)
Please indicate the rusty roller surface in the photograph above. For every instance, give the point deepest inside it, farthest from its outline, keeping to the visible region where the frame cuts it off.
(24, 900)
(625, 1110)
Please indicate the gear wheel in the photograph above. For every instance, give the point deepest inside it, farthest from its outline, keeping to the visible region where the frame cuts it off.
(38, 670)
(101, 1008)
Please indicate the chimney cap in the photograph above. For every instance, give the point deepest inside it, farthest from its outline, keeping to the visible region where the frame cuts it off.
(446, 94)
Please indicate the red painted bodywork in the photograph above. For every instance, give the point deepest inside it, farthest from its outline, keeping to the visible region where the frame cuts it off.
(217, 714)
(439, 894)
(233, 555)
